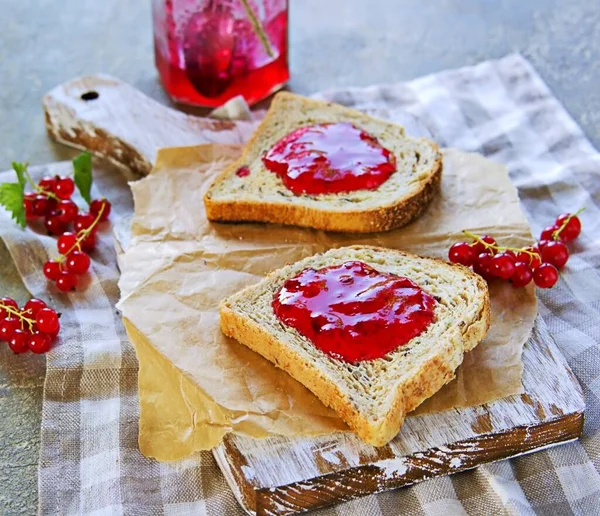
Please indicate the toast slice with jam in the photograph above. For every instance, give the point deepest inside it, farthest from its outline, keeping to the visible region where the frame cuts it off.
(372, 332)
(321, 165)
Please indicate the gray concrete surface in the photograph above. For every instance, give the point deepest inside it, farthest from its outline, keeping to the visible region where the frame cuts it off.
(332, 43)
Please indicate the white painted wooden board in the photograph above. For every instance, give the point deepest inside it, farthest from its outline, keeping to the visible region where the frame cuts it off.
(284, 476)
(114, 120)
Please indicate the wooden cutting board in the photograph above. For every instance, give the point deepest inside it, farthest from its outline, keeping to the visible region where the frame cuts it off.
(285, 476)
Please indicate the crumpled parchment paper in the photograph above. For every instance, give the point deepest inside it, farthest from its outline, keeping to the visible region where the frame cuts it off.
(195, 385)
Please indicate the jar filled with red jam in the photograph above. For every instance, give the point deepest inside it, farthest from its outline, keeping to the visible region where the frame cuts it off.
(208, 51)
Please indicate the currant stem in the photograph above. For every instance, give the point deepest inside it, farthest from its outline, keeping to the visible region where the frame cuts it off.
(48, 193)
(82, 235)
(30, 179)
(555, 234)
(19, 314)
(477, 238)
(38, 188)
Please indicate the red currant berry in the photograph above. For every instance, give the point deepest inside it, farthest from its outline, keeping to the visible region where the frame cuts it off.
(54, 226)
(66, 282)
(99, 205)
(52, 270)
(40, 205)
(39, 342)
(66, 243)
(543, 243)
(503, 266)
(480, 248)
(521, 256)
(78, 262)
(545, 276)
(48, 183)
(536, 259)
(522, 275)
(52, 205)
(555, 253)
(9, 303)
(33, 306)
(64, 188)
(67, 211)
(8, 327)
(84, 221)
(88, 244)
(572, 229)
(533, 260)
(28, 205)
(483, 265)
(47, 321)
(462, 253)
(548, 233)
(18, 343)
(5, 303)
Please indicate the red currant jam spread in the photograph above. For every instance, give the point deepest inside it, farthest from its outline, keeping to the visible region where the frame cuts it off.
(330, 158)
(242, 172)
(353, 312)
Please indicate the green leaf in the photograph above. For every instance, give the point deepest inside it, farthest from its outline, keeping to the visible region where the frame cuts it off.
(82, 165)
(21, 170)
(11, 197)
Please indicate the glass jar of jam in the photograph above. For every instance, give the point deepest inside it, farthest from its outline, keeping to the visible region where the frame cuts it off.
(208, 51)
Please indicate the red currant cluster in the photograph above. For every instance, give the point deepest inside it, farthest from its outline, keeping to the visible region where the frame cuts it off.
(30, 328)
(52, 200)
(539, 263)
(73, 248)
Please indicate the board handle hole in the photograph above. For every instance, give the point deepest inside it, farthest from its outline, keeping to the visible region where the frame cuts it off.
(89, 95)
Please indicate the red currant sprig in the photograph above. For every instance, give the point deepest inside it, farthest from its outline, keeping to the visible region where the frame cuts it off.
(73, 248)
(520, 266)
(566, 228)
(30, 328)
(51, 199)
(490, 260)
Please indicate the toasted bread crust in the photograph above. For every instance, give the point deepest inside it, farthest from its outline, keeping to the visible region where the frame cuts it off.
(382, 218)
(431, 377)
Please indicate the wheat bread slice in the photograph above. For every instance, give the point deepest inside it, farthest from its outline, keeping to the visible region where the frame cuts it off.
(371, 397)
(262, 197)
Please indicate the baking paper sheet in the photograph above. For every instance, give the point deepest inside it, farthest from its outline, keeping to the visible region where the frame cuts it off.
(195, 385)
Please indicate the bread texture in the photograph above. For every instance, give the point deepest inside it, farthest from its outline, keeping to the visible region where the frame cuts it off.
(262, 197)
(371, 397)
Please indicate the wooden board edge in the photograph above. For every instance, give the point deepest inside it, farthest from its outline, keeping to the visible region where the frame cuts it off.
(244, 492)
(394, 473)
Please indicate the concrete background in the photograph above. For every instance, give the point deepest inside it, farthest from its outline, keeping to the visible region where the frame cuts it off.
(332, 43)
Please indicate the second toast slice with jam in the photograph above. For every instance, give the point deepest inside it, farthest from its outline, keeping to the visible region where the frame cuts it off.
(320, 165)
(372, 332)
